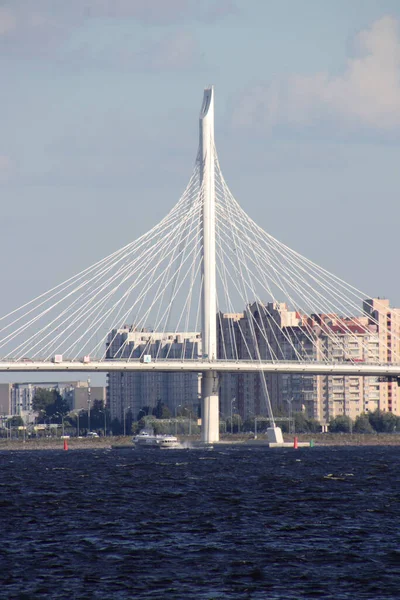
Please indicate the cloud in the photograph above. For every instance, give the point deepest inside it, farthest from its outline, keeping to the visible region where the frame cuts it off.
(150, 11)
(173, 51)
(365, 96)
(215, 10)
(5, 167)
(7, 21)
(39, 27)
(29, 30)
(157, 11)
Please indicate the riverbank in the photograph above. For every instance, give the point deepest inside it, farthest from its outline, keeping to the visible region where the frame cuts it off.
(319, 439)
(347, 439)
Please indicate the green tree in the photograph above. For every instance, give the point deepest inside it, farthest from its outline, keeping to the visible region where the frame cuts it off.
(236, 424)
(383, 422)
(42, 400)
(262, 424)
(248, 424)
(222, 426)
(128, 422)
(341, 424)
(116, 427)
(314, 426)
(49, 402)
(145, 422)
(99, 415)
(161, 411)
(15, 421)
(362, 424)
(300, 423)
(144, 412)
(60, 405)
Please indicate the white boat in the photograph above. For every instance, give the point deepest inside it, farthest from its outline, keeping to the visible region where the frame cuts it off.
(144, 439)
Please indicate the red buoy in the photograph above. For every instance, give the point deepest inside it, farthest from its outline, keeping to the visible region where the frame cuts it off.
(65, 445)
(296, 443)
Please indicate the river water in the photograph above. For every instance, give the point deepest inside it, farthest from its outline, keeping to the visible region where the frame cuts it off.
(239, 522)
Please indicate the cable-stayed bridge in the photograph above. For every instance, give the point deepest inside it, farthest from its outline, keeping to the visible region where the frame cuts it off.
(204, 262)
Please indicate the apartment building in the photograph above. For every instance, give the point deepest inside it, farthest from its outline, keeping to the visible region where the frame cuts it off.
(388, 318)
(17, 398)
(268, 332)
(272, 332)
(131, 390)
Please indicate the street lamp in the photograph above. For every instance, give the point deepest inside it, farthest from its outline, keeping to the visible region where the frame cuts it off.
(44, 417)
(139, 418)
(125, 411)
(105, 421)
(88, 401)
(290, 414)
(233, 400)
(62, 422)
(222, 420)
(77, 419)
(190, 420)
(252, 414)
(58, 414)
(176, 417)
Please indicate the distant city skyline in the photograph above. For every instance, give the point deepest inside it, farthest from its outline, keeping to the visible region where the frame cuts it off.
(371, 336)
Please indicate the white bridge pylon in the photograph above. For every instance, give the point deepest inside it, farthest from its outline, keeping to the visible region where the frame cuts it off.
(209, 381)
(207, 291)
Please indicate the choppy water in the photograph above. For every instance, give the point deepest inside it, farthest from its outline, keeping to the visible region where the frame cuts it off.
(238, 523)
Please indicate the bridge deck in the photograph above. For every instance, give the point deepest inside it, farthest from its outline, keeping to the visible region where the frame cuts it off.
(203, 366)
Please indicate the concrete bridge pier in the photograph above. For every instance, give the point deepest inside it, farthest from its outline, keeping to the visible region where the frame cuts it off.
(209, 407)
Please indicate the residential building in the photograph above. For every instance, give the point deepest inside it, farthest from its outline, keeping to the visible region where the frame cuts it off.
(17, 398)
(388, 348)
(272, 332)
(134, 390)
(5, 397)
(267, 332)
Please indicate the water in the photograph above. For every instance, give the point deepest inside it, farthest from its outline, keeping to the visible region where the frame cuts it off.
(239, 523)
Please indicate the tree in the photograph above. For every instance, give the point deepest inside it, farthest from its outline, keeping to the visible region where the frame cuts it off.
(99, 415)
(300, 423)
(161, 411)
(128, 422)
(15, 421)
(144, 412)
(222, 426)
(249, 424)
(314, 426)
(48, 403)
(60, 405)
(116, 427)
(42, 400)
(341, 424)
(383, 422)
(236, 423)
(362, 424)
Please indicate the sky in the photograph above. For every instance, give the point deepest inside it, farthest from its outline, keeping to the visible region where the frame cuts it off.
(99, 105)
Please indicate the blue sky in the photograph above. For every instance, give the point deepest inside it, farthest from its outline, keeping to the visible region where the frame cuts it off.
(100, 102)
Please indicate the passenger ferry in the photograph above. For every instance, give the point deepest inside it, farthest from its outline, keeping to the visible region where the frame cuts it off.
(148, 440)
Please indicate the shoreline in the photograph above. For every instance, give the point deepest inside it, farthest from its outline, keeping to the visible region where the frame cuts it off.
(319, 440)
